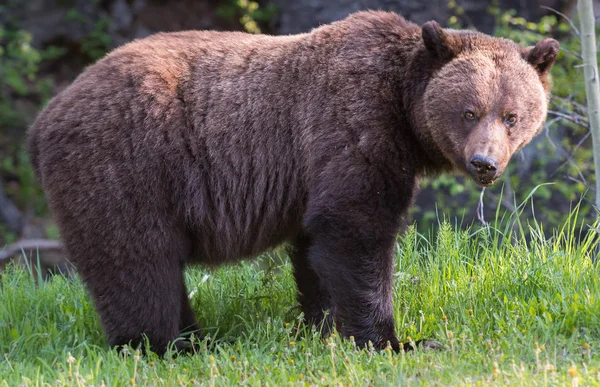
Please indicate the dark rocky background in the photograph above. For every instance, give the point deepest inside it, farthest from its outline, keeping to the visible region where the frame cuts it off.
(59, 38)
(297, 16)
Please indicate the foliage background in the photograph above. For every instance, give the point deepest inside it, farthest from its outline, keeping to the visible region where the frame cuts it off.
(44, 44)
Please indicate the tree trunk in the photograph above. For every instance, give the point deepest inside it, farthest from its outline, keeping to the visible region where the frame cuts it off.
(585, 8)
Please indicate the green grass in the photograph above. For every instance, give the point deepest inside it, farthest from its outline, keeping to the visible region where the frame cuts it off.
(510, 311)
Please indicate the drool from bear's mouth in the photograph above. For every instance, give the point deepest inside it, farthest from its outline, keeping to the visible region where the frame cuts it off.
(485, 183)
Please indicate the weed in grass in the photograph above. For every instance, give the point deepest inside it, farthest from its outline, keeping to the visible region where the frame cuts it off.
(509, 310)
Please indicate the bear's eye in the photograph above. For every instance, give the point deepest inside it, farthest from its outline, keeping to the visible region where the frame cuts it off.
(469, 115)
(511, 119)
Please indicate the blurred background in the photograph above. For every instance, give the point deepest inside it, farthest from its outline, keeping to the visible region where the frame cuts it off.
(44, 45)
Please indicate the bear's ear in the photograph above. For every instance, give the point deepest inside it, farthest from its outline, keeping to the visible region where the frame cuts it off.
(438, 42)
(542, 55)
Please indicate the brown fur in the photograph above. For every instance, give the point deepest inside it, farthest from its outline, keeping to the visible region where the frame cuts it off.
(206, 147)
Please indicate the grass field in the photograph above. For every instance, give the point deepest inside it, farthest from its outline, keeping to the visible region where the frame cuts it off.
(509, 312)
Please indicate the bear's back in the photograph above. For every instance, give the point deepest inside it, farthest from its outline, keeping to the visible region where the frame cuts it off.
(170, 120)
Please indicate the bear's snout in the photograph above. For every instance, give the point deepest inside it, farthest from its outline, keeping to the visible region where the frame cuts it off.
(483, 169)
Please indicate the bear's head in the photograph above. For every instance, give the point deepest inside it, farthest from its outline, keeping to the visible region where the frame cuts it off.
(487, 98)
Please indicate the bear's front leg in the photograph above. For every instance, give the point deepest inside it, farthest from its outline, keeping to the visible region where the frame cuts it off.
(352, 253)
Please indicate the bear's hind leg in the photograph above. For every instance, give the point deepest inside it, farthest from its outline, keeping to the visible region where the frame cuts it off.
(134, 274)
(132, 305)
(313, 297)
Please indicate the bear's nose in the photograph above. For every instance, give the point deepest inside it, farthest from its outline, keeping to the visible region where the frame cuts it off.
(483, 167)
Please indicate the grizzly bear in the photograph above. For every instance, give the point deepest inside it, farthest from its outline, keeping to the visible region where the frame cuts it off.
(209, 147)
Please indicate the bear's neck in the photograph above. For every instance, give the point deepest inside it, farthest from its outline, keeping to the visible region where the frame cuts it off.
(394, 50)
(412, 79)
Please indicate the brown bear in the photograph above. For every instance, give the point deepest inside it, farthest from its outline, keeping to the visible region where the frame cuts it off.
(210, 147)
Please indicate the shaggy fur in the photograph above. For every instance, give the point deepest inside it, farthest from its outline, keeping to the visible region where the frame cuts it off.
(207, 147)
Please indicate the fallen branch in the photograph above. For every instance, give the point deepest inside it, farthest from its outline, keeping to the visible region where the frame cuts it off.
(38, 245)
